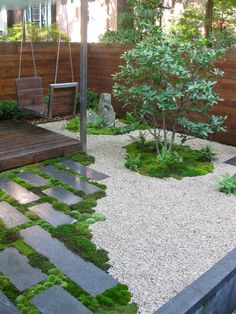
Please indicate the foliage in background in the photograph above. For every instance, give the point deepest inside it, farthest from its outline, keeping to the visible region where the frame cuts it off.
(227, 184)
(133, 26)
(10, 110)
(165, 80)
(181, 162)
(193, 18)
(39, 34)
(92, 100)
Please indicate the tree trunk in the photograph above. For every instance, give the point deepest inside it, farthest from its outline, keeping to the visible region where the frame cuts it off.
(122, 7)
(209, 17)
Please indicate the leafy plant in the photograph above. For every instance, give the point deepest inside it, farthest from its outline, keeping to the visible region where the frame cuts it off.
(92, 100)
(170, 84)
(227, 184)
(10, 110)
(132, 162)
(207, 154)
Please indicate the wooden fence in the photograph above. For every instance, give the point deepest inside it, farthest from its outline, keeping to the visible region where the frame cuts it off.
(103, 61)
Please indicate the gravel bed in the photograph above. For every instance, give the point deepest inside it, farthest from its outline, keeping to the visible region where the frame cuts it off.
(160, 234)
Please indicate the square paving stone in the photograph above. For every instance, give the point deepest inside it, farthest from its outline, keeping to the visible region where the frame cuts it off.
(33, 178)
(231, 161)
(85, 274)
(6, 307)
(11, 216)
(18, 192)
(16, 267)
(48, 213)
(69, 179)
(84, 171)
(63, 195)
(56, 300)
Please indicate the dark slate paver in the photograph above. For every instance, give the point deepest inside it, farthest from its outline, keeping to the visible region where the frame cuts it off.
(69, 179)
(63, 195)
(85, 274)
(11, 216)
(56, 300)
(84, 171)
(22, 195)
(48, 213)
(231, 161)
(16, 267)
(33, 178)
(6, 307)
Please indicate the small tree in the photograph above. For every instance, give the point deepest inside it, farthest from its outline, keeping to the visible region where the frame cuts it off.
(171, 84)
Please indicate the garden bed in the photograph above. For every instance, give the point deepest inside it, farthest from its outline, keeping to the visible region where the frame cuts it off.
(161, 234)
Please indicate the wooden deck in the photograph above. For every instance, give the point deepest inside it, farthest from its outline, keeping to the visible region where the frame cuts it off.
(22, 144)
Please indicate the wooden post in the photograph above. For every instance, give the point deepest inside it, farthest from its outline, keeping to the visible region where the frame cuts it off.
(83, 75)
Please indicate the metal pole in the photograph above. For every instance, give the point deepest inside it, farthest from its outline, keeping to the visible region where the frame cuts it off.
(83, 75)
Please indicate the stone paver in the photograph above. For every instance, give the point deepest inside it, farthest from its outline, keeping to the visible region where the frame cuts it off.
(48, 213)
(33, 178)
(84, 171)
(231, 161)
(63, 195)
(11, 216)
(85, 274)
(6, 307)
(69, 179)
(22, 195)
(16, 267)
(56, 300)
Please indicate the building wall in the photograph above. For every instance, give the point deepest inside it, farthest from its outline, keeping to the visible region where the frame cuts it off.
(102, 15)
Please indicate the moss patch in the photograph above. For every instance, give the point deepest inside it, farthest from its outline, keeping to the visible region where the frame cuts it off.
(184, 162)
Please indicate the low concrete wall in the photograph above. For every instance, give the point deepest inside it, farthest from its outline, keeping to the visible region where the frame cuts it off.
(212, 293)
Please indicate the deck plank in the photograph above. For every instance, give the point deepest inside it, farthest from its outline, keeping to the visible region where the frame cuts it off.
(22, 144)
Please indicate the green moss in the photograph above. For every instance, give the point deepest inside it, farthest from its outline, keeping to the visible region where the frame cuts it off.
(118, 309)
(23, 248)
(8, 289)
(71, 236)
(183, 162)
(40, 261)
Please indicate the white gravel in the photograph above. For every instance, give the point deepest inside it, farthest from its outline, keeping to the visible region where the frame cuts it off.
(160, 234)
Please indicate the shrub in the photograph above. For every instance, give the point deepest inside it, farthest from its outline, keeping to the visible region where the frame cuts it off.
(165, 78)
(92, 100)
(9, 110)
(227, 184)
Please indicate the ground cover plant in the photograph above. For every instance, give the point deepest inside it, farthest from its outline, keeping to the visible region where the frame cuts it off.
(181, 162)
(126, 125)
(77, 237)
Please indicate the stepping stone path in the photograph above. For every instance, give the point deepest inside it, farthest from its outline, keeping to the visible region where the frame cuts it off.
(69, 179)
(84, 171)
(33, 178)
(56, 300)
(6, 307)
(22, 195)
(63, 195)
(85, 274)
(16, 267)
(48, 213)
(231, 161)
(10, 216)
